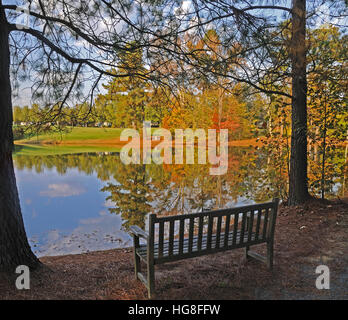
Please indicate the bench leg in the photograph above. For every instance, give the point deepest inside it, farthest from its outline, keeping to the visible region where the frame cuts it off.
(150, 279)
(246, 252)
(248, 225)
(270, 255)
(268, 259)
(137, 265)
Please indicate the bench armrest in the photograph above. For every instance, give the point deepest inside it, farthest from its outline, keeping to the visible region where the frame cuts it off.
(138, 232)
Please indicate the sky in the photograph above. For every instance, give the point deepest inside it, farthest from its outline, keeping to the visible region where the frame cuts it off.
(24, 97)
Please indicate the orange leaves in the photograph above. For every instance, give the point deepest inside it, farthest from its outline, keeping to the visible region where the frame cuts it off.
(229, 121)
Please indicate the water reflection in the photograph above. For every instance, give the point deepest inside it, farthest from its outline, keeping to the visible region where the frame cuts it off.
(64, 210)
(84, 202)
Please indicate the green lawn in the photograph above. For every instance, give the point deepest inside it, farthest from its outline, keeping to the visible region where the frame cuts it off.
(45, 144)
(76, 134)
(79, 134)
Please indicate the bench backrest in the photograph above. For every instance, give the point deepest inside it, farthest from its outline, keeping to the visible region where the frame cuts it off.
(213, 228)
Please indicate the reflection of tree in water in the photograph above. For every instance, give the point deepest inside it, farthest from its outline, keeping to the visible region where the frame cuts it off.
(102, 163)
(336, 170)
(132, 195)
(263, 179)
(193, 189)
(173, 188)
(136, 190)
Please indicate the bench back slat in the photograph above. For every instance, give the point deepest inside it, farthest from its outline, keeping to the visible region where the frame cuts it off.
(210, 230)
(265, 225)
(227, 230)
(200, 233)
(250, 226)
(214, 230)
(160, 239)
(242, 229)
(218, 231)
(181, 235)
(151, 240)
(215, 213)
(171, 236)
(272, 221)
(235, 228)
(191, 230)
(258, 222)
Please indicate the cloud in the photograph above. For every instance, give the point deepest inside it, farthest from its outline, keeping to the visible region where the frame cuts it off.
(109, 204)
(323, 17)
(60, 190)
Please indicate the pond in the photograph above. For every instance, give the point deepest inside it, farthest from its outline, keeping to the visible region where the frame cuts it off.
(75, 203)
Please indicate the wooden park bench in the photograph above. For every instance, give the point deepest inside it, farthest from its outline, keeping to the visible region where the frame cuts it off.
(185, 236)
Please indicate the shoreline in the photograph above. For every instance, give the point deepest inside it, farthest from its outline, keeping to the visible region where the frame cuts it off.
(318, 235)
(117, 143)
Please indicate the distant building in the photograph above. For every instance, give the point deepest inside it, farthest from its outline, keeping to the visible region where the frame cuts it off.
(107, 124)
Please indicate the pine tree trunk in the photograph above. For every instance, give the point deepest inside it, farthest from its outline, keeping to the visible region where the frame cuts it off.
(298, 184)
(14, 246)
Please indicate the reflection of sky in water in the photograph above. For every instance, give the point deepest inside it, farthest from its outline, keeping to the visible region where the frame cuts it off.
(66, 214)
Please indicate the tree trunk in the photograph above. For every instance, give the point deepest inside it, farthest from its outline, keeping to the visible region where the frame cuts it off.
(298, 184)
(14, 246)
(324, 152)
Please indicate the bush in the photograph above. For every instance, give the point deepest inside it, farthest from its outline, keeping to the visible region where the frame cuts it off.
(18, 133)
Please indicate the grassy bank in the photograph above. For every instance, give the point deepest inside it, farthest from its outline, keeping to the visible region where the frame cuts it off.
(98, 137)
(74, 135)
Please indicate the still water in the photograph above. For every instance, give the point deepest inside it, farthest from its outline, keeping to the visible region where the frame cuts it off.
(77, 203)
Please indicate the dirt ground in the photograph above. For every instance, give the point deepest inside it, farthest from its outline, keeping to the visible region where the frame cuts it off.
(306, 237)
